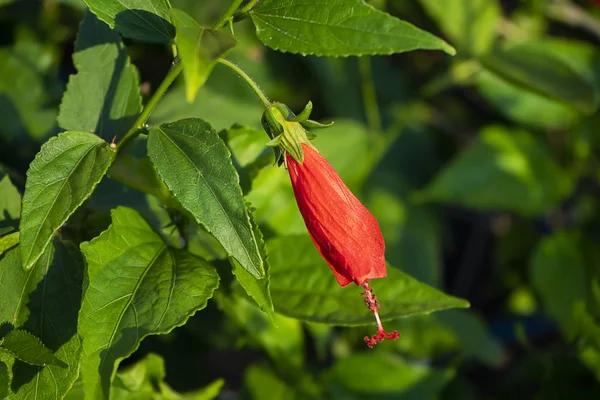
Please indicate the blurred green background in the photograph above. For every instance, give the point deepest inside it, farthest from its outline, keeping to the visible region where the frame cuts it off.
(482, 169)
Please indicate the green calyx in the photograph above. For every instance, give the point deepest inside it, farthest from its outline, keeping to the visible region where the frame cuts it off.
(288, 131)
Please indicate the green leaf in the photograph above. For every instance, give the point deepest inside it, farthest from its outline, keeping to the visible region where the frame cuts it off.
(10, 199)
(199, 49)
(337, 28)
(103, 97)
(134, 169)
(558, 274)
(61, 177)
(263, 383)
(373, 375)
(146, 20)
(44, 301)
(525, 178)
(137, 287)
(257, 289)
(524, 106)
(29, 349)
(538, 66)
(221, 110)
(303, 287)
(25, 109)
(196, 165)
(4, 380)
(472, 24)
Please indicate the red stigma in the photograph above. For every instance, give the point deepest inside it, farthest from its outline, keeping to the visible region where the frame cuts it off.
(373, 306)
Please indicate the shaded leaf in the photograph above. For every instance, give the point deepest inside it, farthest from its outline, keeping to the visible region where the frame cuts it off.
(24, 108)
(337, 28)
(44, 301)
(199, 49)
(257, 289)
(471, 24)
(4, 380)
(524, 106)
(29, 349)
(9, 241)
(146, 20)
(61, 177)
(103, 97)
(502, 170)
(196, 165)
(557, 272)
(380, 376)
(10, 199)
(538, 67)
(221, 110)
(137, 287)
(263, 383)
(303, 287)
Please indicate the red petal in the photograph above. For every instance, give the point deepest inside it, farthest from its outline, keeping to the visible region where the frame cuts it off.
(343, 230)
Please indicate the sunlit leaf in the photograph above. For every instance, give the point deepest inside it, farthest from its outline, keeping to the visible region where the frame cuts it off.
(196, 165)
(303, 287)
(62, 176)
(337, 28)
(29, 349)
(199, 49)
(137, 287)
(146, 20)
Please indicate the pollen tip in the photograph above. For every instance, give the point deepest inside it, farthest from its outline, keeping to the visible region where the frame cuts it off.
(380, 337)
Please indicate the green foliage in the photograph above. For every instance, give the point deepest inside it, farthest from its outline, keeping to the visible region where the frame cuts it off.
(151, 247)
(337, 28)
(199, 49)
(62, 176)
(103, 98)
(29, 349)
(190, 150)
(146, 20)
(471, 24)
(44, 301)
(303, 287)
(526, 178)
(136, 286)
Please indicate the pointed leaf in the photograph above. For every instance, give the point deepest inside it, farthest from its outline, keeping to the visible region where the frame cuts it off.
(8, 242)
(146, 20)
(526, 179)
(337, 28)
(256, 288)
(103, 97)
(137, 287)
(29, 349)
(196, 165)
(44, 301)
(303, 287)
(199, 49)
(61, 177)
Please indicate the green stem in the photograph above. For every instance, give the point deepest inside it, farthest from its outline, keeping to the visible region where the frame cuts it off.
(227, 14)
(248, 6)
(138, 126)
(248, 80)
(369, 95)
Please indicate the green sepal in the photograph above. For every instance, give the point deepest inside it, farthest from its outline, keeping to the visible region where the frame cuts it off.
(309, 123)
(303, 116)
(275, 142)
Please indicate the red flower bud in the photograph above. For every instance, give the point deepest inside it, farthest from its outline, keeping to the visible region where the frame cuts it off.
(343, 230)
